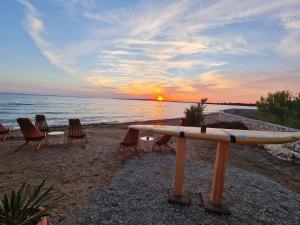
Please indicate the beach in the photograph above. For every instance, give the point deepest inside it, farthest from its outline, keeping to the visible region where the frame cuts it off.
(150, 112)
(78, 173)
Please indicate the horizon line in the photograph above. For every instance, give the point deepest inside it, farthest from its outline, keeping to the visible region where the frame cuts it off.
(136, 99)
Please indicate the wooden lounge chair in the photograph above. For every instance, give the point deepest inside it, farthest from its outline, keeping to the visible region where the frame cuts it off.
(30, 133)
(76, 132)
(130, 140)
(164, 140)
(5, 131)
(41, 123)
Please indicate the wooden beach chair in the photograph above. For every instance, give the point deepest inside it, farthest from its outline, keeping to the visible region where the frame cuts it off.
(30, 133)
(5, 131)
(130, 140)
(164, 140)
(41, 123)
(76, 132)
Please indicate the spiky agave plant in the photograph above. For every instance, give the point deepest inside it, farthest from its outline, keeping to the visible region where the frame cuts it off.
(194, 115)
(27, 205)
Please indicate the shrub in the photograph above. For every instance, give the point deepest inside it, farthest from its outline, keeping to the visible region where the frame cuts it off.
(281, 107)
(194, 115)
(23, 206)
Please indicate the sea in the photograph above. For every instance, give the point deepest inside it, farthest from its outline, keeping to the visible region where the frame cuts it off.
(59, 109)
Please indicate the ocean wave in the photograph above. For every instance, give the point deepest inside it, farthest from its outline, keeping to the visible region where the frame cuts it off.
(17, 104)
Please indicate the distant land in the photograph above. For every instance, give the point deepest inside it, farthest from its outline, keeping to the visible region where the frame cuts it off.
(210, 103)
(139, 99)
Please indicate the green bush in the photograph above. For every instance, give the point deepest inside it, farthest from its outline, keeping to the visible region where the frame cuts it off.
(23, 206)
(281, 107)
(194, 115)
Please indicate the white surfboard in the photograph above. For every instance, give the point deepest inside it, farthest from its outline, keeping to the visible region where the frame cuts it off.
(223, 135)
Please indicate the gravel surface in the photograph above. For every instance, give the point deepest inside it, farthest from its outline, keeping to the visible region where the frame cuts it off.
(139, 196)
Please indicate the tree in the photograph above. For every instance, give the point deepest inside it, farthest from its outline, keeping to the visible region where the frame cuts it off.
(281, 107)
(194, 115)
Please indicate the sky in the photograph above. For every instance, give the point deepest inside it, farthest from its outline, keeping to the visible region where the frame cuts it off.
(227, 51)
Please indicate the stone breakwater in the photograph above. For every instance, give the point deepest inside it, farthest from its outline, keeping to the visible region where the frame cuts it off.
(252, 124)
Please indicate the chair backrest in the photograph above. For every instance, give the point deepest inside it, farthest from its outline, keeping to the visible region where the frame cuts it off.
(75, 128)
(29, 130)
(3, 128)
(41, 123)
(131, 138)
(164, 140)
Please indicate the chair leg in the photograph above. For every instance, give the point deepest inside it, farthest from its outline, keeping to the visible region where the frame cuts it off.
(160, 148)
(70, 140)
(26, 143)
(169, 147)
(8, 134)
(46, 139)
(39, 145)
(66, 143)
(122, 148)
(4, 138)
(82, 143)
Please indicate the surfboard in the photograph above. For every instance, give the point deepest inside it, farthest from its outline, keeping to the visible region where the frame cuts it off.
(223, 135)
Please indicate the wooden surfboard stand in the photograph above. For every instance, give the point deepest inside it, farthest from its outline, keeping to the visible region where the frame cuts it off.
(183, 200)
(177, 196)
(214, 201)
(221, 209)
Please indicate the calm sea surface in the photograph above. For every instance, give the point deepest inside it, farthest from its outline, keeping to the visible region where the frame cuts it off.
(89, 110)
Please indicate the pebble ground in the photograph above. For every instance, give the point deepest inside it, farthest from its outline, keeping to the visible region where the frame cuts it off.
(139, 196)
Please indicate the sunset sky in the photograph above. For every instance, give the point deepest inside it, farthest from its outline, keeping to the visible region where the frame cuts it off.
(181, 50)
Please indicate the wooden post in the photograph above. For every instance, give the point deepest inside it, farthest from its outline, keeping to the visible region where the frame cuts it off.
(180, 158)
(219, 173)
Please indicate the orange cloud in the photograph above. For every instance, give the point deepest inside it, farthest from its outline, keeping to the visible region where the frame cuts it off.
(142, 87)
(96, 80)
(216, 80)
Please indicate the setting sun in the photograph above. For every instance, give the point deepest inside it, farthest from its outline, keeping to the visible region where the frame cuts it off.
(160, 98)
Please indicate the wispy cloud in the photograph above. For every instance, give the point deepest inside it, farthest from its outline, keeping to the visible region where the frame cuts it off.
(136, 49)
(289, 46)
(35, 27)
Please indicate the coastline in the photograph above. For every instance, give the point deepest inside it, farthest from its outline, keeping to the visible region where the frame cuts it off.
(210, 118)
(78, 173)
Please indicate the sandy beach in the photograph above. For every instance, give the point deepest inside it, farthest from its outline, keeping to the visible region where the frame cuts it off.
(78, 172)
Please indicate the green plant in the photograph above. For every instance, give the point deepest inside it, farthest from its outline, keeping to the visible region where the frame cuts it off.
(194, 115)
(27, 205)
(281, 107)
